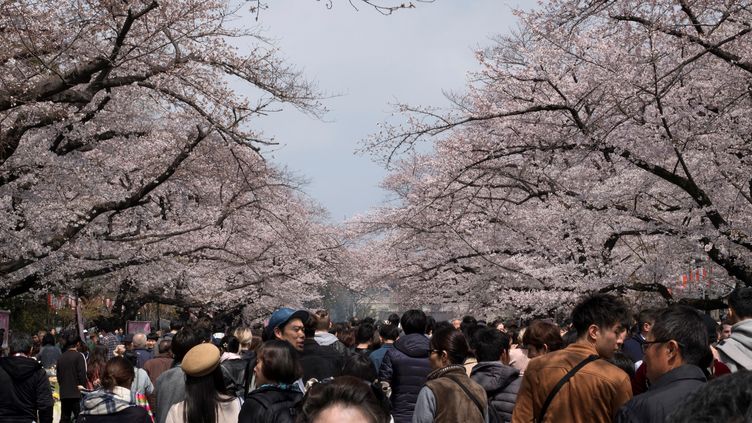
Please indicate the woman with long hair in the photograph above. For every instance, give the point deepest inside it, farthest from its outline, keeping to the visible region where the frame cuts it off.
(277, 370)
(112, 403)
(95, 367)
(206, 397)
(449, 394)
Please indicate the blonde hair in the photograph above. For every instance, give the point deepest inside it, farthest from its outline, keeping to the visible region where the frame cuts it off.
(245, 337)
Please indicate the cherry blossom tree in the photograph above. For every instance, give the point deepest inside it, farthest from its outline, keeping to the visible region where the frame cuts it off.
(603, 146)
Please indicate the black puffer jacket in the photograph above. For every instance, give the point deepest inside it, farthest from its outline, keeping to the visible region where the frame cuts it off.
(24, 391)
(501, 384)
(406, 368)
(270, 404)
(319, 361)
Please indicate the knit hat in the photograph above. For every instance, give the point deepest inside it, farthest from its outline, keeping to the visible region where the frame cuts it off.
(201, 360)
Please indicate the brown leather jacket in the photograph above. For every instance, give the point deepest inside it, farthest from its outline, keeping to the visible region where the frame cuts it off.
(594, 394)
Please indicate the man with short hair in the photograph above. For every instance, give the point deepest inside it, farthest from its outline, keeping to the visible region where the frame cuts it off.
(674, 349)
(161, 362)
(736, 351)
(71, 373)
(322, 335)
(151, 342)
(388, 334)
(287, 324)
(633, 346)
(139, 348)
(725, 330)
(25, 394)
(406, 366)
(318, 361)
(493, 373)
(597, 389)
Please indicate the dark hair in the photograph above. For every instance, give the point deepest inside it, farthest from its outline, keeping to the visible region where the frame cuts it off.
(48, 339)
(622, 361)
(117, 372)
(346, 391)
(646, 316)
(489, 343)
(20, 342)
(346, 336)
(603, 310)
(389, 332)
(468, 323)
(202, 396)
(176, 324)
(413, 321)
(360, 366)
(684, 325)
(541, 332)
(726, 399)
(569, 338)
(164, 346)
(453, 342)
(369, 320)
(712, 328)
(230, 344)
(323, 321)
(394, 319)
(430, 325)
(364, 333)
(309, 325)
(70, 338)
(740, 300)
(183, 341)
(280, 361)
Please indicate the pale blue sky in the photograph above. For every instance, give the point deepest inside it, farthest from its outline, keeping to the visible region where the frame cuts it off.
(371, 61)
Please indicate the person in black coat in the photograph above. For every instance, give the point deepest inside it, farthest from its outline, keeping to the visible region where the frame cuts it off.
(25, 393)
(501, 381)
(676, 350)
(318, 361)
(71, 373)
(406, 366)
(277, 369)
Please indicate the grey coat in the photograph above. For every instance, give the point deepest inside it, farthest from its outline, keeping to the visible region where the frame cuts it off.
(170, 391)
(736, 351)
(501, 384)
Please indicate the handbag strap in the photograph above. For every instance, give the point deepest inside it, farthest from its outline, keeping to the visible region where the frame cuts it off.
(561, 383)
(467, 392)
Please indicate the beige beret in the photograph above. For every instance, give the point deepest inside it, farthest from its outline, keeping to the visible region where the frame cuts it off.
(201, 360)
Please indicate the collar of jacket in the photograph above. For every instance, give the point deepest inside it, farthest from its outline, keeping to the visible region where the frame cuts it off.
(683, 372)
(584, 348)
(452, 368)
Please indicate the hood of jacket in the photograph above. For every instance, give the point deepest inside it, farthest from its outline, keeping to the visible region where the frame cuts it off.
(325, 338)
(20, 368)
(739, 345)
(413, 345)
(103, 402)
(493, 375)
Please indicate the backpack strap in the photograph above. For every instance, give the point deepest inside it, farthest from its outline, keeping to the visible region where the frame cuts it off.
(469, 394)
(561, 383)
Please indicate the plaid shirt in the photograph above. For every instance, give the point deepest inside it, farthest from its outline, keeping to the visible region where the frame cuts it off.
(111, 342)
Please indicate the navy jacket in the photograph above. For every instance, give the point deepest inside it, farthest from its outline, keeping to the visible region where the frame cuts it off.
(406, 368)
(663, 397)
(633, 347)
(501, 383)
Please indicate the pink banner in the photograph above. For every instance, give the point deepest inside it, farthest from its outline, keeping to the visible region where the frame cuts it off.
(134, 326)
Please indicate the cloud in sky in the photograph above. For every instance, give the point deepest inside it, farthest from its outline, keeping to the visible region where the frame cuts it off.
(368, 61)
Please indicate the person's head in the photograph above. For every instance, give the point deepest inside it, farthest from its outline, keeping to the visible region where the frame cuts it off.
(623, 362)
(394, 319)
(448, 346)
(288, 325)
(164, 347)
(456, 323)
(71, 339)
(230, 344)
(726, 329)
(726, 399)
(139, 341)
(490, 344)
(204, 383)
(498, 324)
(48, 339)
(677, 337)
(364, 334)
(430, 325)
(98, 355)
(183, 341)
(360, 366)
(345, 399)
(117, 372)
(245, 337)
(645, 320)
(20, 343)
(310, 325)
(468, 322)
(599, 321)
(323, 320)
(176, 325)
(151, 340)
(413, 321)
(277, 363)
(542, 337)
(346, 336)
(388, 333)
(740, 304)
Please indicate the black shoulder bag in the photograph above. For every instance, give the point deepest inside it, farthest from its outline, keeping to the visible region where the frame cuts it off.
(561, 383)
(469, 394)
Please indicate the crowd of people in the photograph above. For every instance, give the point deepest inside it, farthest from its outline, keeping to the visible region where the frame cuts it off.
(605, 364)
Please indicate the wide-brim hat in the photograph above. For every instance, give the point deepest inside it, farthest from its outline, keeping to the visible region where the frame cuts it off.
(201, 360)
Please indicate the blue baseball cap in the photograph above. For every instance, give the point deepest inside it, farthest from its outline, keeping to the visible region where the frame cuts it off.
(281, 316)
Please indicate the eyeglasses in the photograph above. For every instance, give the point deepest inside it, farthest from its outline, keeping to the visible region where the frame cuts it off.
(647, 344)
